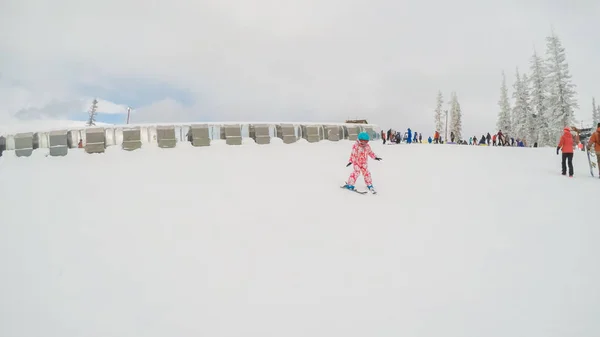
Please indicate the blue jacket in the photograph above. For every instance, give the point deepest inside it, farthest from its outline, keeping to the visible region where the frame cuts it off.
(409, 140)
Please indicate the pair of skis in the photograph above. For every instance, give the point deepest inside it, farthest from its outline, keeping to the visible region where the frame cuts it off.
(592, 164)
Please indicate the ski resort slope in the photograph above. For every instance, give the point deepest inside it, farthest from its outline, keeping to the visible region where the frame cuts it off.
(251, 240)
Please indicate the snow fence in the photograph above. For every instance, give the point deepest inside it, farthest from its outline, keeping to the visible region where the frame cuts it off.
(134, 137)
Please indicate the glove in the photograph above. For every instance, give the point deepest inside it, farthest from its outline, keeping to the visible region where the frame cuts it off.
(377, 158)
(348, 164)
(557, 149)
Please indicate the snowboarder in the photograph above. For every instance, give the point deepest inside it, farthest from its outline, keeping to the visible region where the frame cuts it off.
(361, 150)
(409, 138)
(566, 144)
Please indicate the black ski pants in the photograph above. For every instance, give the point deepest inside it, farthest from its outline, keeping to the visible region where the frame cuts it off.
(567, 157)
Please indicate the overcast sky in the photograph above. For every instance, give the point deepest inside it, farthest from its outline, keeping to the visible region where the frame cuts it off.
(287, 60)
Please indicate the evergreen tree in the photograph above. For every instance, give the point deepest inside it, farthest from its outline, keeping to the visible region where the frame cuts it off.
(518, 114)
(530, 122)
(456, 117)
(504, 122)
(438, 113)
(522, 115)
(595, 113)
(538, 100)
(561, 91)
(92, 113)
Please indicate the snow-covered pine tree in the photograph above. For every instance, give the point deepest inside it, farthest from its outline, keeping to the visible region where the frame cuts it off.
(438, 112)
(561, 91)
(92, 113)
(538, 99)
(595, 113)
(530, 122)
(519, 117)
(456, 117)
(504, 122)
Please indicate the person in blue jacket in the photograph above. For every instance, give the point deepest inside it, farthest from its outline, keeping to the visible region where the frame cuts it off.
(429, 140)
(409, 140)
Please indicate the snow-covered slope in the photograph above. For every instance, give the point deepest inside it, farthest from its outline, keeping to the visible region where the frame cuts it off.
(260, 241)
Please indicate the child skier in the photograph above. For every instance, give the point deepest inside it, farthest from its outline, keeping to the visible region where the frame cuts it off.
(358, 158)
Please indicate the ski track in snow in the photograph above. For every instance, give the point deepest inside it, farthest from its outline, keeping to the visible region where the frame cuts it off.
(261, 241)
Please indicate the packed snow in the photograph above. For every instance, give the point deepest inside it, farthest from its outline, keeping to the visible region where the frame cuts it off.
(461, 241)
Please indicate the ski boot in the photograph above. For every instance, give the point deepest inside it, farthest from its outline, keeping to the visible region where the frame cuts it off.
(348, 187)
(372, 189)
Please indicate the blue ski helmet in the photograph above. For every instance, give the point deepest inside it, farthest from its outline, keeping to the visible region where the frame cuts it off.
(363, 136)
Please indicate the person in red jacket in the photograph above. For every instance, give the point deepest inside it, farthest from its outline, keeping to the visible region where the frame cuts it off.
(566, 144)
(595, 140)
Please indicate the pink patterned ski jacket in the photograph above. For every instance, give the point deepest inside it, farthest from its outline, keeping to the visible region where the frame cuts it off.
(359, 154)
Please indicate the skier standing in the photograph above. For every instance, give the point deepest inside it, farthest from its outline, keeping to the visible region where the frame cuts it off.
(566, 144)
(361, 150)
(595, 140)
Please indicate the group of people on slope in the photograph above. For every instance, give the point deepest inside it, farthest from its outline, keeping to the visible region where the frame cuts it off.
(397, 137)
(498, 139)
(361, 152)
